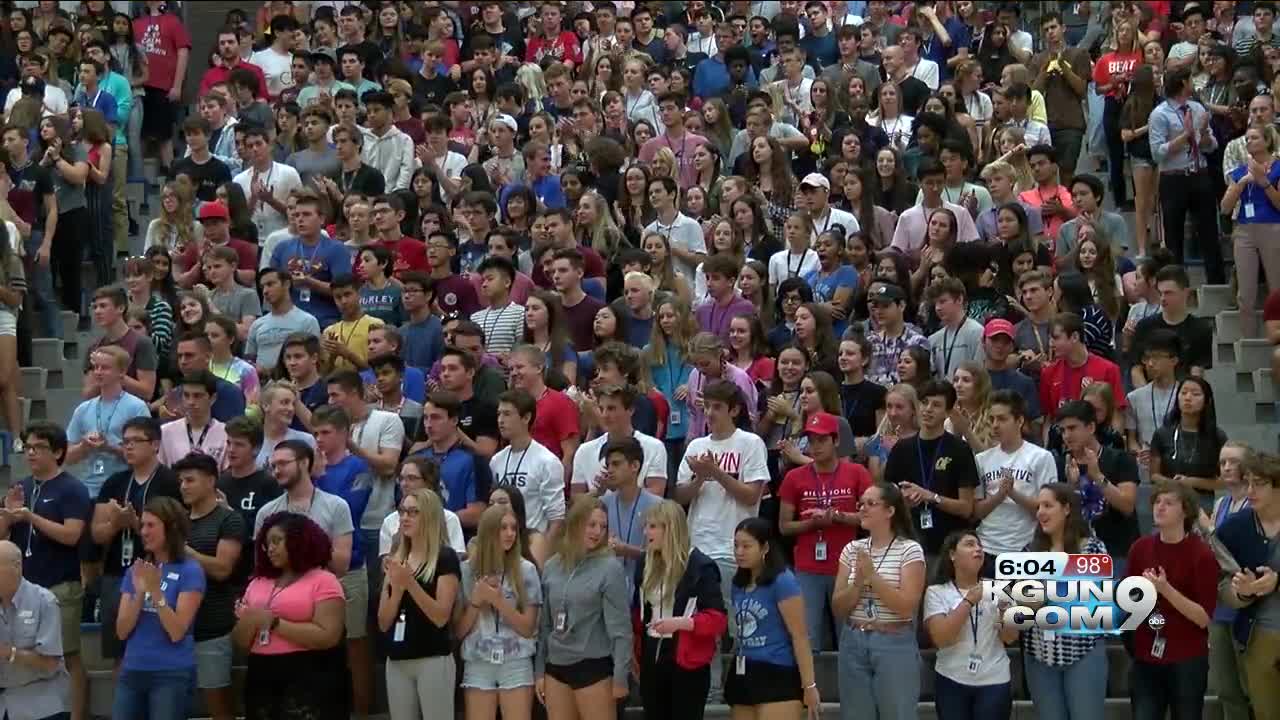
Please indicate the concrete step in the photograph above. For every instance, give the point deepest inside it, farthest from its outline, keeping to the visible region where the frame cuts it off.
(47, 353)
(1252, 354)
(70, 326)
(1213, 299)
(33, 382)
(1228, 327)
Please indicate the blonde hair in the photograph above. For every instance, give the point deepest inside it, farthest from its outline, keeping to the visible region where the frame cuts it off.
(271, 391)
(981, 382)
(686, 328)
(530, 77)
(665, 565)
(664, 155)
(606, 238)
(570, 547)
(430, 535)
(487, 556)
(908, 393)
(117, 355)
(179, 222)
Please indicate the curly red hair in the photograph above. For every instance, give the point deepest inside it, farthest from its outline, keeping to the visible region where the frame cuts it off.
(307, 544)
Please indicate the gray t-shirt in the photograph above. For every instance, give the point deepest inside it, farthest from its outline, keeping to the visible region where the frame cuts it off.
(1112, 225)
(330, 512)
(587, 615)
(268, 333)
(1148, 408)
(490, 632)
(238, 303)
(948, 349)
(1031, 335)
(70, 197)
(310, 164)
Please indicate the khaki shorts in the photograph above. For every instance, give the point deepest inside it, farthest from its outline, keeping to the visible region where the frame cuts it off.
(355, 586)
(70, 597)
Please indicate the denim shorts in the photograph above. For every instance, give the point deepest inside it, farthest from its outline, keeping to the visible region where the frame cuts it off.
(8, 322)
(481, 675)
(213, 663)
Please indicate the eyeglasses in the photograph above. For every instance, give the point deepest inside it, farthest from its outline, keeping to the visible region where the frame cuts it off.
(414, 511)
(39, 447)
(131, 441)
(404, 477)
(281, 465)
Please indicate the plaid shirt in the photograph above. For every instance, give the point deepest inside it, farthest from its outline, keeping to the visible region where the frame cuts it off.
(886, 351)
(1060, 650)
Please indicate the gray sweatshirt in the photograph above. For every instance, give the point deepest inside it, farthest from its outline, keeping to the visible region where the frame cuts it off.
(597, 614)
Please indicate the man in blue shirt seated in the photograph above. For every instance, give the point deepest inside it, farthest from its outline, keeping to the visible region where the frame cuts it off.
(384, 341)
(465, 477)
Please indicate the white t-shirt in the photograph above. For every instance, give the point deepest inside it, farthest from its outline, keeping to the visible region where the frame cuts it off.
(283, 180)
(714, 514)
(786, 264)
(277, 68)
(953, 660)
(55, 100)
(1010, 526)
(835, 216)
(685, 234)
(452, 527)
(539, 475)
(381, 430)
(926, 71)
(587, 463)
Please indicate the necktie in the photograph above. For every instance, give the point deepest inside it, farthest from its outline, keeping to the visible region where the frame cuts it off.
(1188, 122)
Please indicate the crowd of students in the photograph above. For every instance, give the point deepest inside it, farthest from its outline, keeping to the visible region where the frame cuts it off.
(553, 354)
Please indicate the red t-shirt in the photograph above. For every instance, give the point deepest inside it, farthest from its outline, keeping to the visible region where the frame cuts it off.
(1190, 568)
(555, 420)
(161, 37)
(563, 48)
(222, 73)
(1271, 308)
(1115, 63)
(246, 254)
(408, 254)
(1059, 383)
(806, 489)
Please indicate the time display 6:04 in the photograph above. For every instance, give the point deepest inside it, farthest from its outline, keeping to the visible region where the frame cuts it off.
(1052, 566)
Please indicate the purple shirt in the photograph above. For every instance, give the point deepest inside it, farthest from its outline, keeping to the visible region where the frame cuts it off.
(714, 318)
(732, 373)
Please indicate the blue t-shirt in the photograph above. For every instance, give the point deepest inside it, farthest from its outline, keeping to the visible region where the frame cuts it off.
(94, 415)
(413, 385)
(1018, 382)
(149, 647)
(1255, 198)
(626, 522)
(423, 342)
(352, 480)
(325, 261)
(228, 401)
(386, 304)
(59, 499)
(762, 635)
(464, 477)
(825, 287)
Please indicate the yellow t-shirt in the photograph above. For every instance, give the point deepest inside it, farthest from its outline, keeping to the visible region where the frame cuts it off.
(354, 334)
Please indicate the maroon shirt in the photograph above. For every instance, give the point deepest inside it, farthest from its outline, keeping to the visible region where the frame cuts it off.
(456, 294)
(1192, 569)
(580, 319)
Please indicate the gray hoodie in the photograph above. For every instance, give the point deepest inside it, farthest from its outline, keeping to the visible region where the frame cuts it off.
(593, 597)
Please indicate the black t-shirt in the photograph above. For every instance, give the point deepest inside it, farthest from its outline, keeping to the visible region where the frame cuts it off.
(507, 42)
(122, 487)
(246, 495)
(479, 418)
(914, 93)
(206, 176)
(31, 185)
(217, 614)
(432, 91)
(423, 638)
(1184, 452)
(1195, 333)
(1115, 529)
(943, 465)
(860, 403)
(367, 181)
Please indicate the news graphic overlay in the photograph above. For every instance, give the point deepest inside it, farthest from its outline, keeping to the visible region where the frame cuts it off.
(1072, 594)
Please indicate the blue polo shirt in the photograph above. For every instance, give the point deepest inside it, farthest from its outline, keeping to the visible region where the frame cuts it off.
(413, 386)
(149, 647)
(325, 261)
(464, 476)
(94, 415)
(352, 480)
(59, 499)
(1255, 198)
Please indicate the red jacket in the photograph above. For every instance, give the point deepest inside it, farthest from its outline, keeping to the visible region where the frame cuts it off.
(700, 586)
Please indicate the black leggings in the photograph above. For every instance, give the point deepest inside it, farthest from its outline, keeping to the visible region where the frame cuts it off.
(1115, 150)
(67, 253)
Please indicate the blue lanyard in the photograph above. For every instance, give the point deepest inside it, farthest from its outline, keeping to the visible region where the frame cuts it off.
(631, 524)
(926, 477)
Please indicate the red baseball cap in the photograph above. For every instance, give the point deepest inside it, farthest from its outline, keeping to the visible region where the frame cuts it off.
(996, 327)
(214, 211)
(822, 424)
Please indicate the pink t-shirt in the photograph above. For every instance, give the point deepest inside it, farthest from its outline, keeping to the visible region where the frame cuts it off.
(295, 603)
(176, 441)
(161, 37)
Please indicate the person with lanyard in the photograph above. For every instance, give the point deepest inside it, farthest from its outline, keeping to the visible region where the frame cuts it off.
(117, 514)
(96, 428)
(266, 183)
(555, 420)
(972, 666)
(353, 175)
(1150, 405)
(683, 233)
(1170, 668)
(879, 584)
(1226, 670)
(681, 617)
(1032, 335)
(502, 320)
(724, 302)
(960, 339)
(537, 472)
(198, 432)
(614, 405)
(680, 141)
(797, 259)
(499, 622)
(911, 234)
(312, 260)
(45, 519)
(625, 501)
(1185, 448)
(465, 478)
(819, 503)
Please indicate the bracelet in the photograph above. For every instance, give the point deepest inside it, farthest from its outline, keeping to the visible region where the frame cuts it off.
(811, 685)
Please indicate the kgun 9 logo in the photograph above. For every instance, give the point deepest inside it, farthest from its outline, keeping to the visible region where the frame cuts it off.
(1075, 607)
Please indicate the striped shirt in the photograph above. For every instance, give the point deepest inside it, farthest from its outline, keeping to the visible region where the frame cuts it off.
(502, 327)
(888, 562)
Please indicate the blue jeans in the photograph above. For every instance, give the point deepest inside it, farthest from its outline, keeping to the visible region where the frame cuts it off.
(816, 591)
(957, 701)
(153, 695)
(1073, 692)
(879, 675)
(1176, 689)
(44, 307)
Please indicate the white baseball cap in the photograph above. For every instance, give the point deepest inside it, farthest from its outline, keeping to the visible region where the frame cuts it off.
(816, 180)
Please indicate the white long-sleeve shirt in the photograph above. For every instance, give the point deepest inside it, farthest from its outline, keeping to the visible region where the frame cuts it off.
(392, 154)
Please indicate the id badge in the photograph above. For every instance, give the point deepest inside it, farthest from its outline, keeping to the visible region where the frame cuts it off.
(496, 654)
(126, 552)
(264, 636)
(673, 418)
(975, 663)
(397, 635)
(871, 609)
(304, 295)
(1248, 210)
(820, 551)
(926, 519)
(1157, 647)
(562, 621)
(99, 466)
(740, 665)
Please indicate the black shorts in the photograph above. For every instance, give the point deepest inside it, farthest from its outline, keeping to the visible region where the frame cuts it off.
(109, 594)
(582, 674)
(762, 684)
(159, 115)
